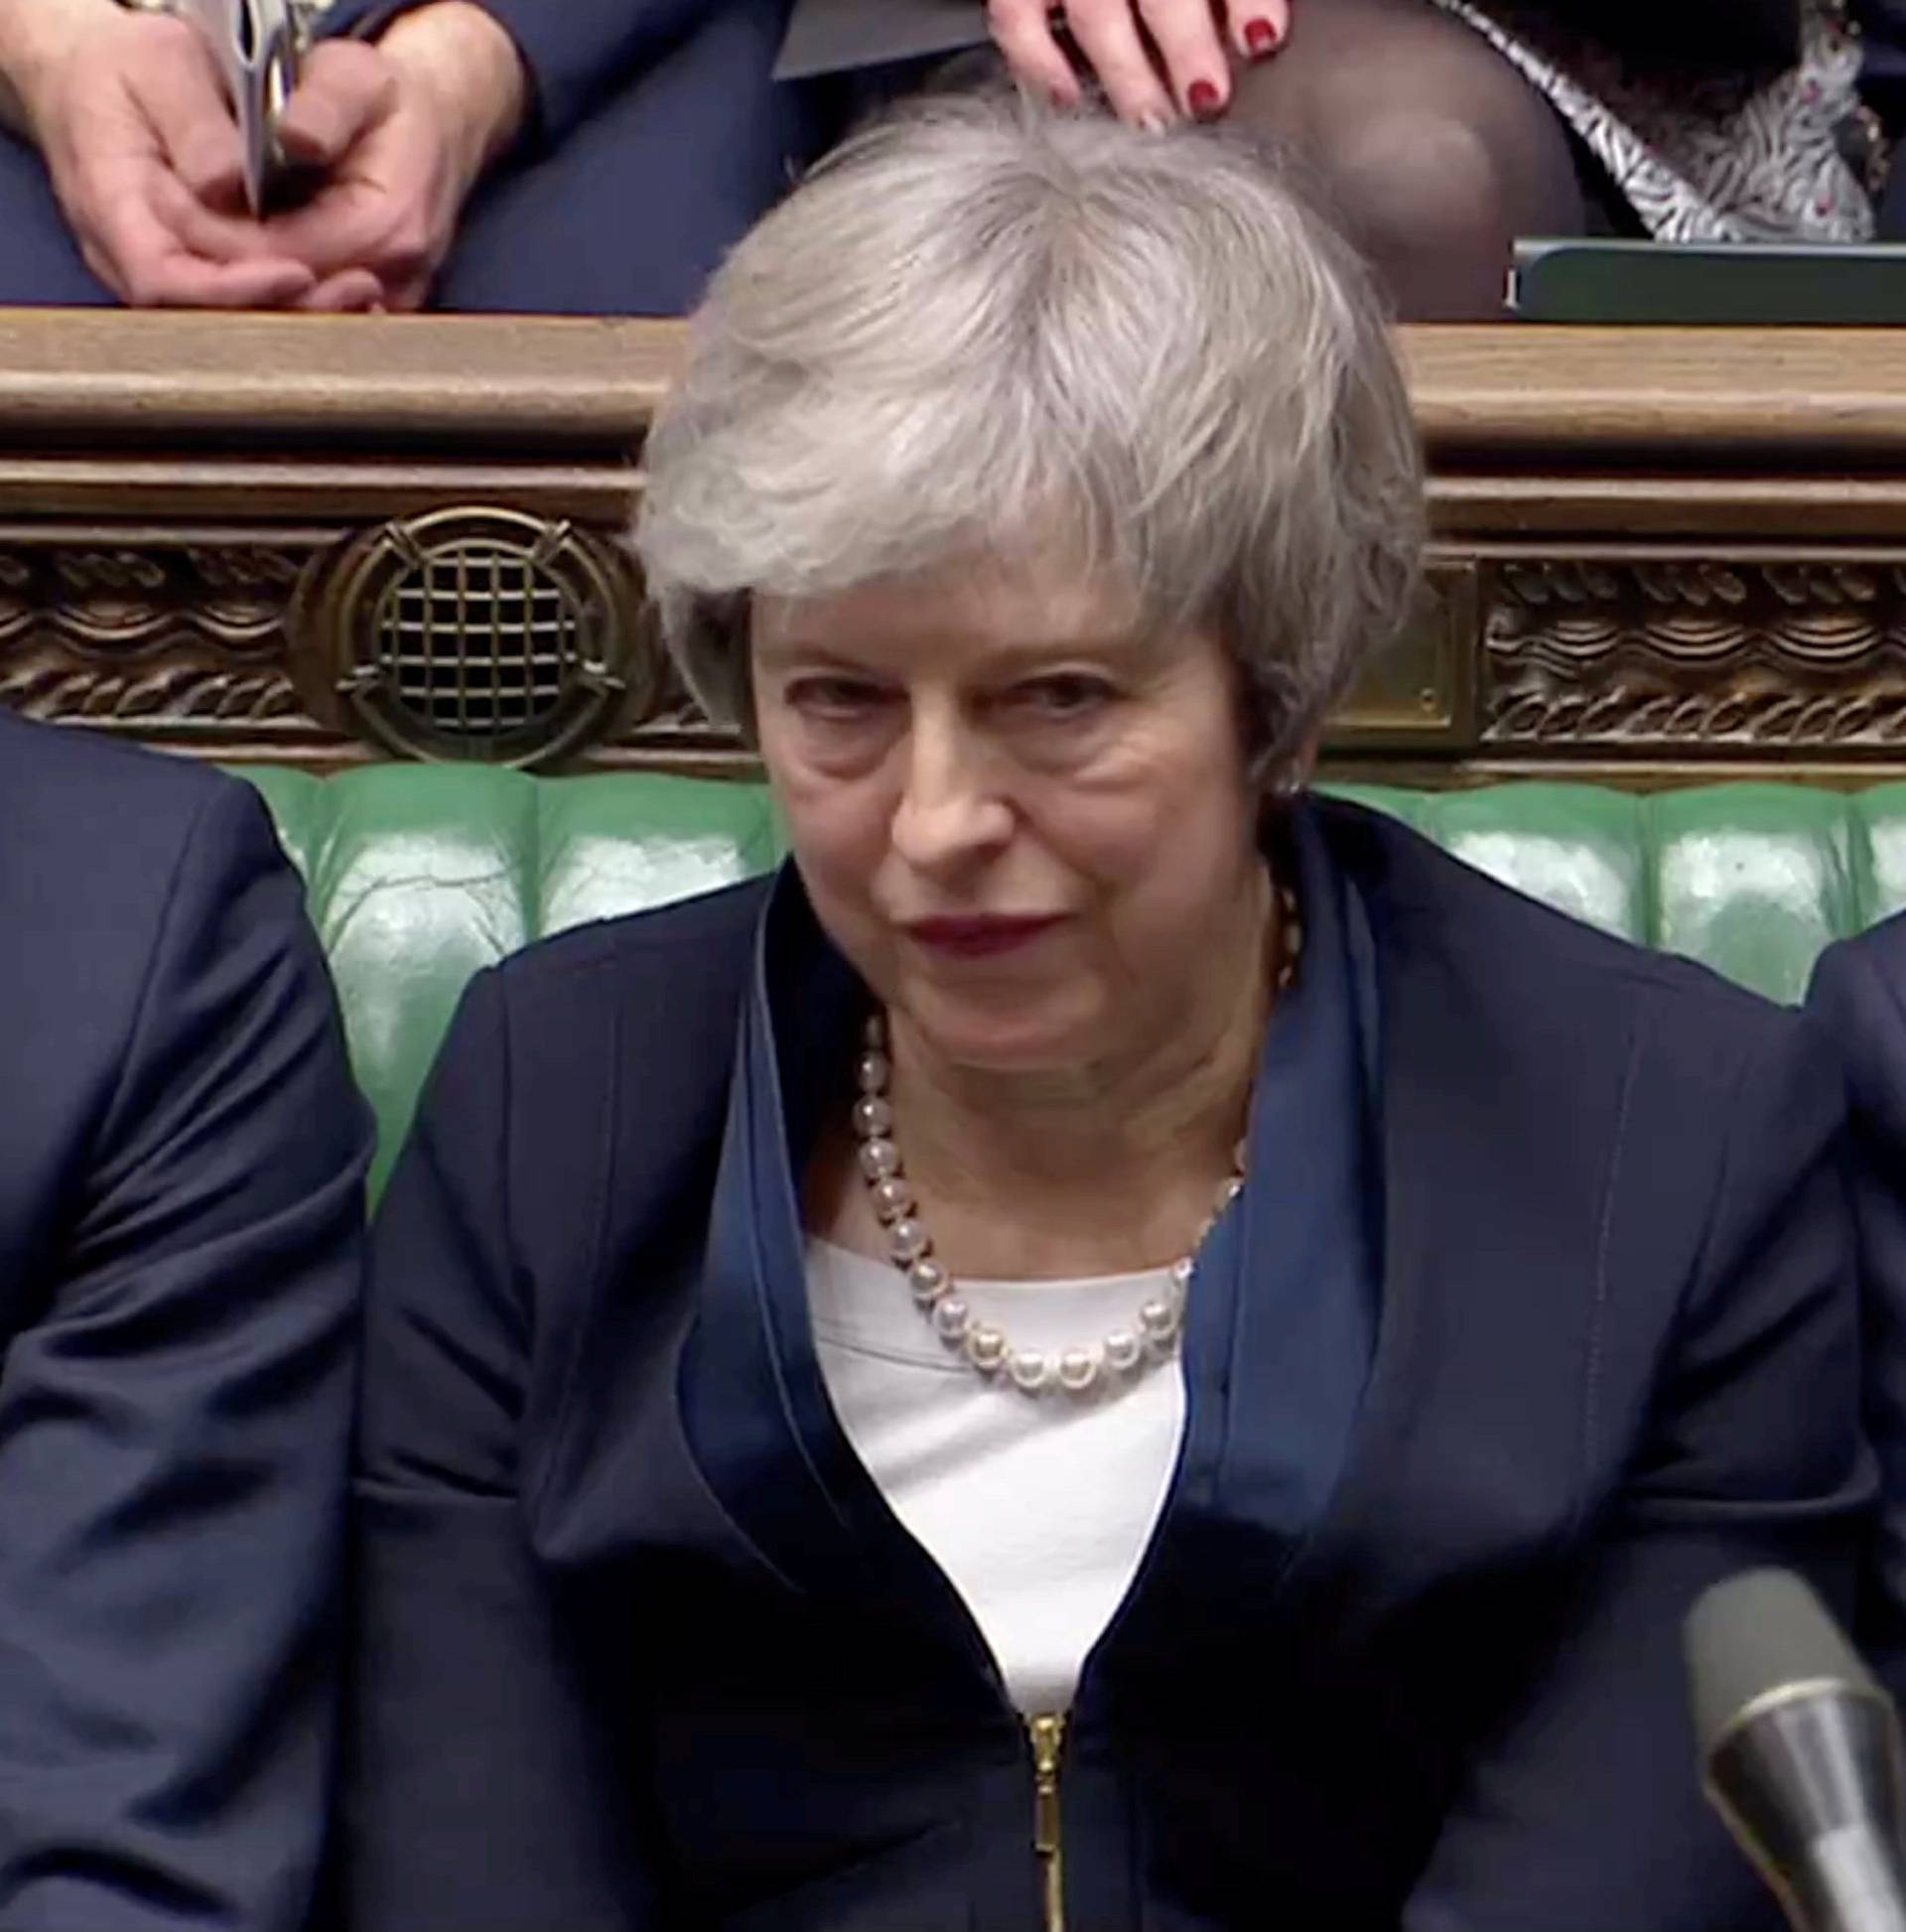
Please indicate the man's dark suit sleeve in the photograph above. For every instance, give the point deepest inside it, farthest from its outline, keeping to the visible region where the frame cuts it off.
(472, 1782)
(174, 1432)
(1859, 995)
(573, 51)
(1585, 1813)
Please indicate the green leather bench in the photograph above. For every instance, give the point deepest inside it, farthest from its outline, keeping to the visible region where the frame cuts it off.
(419, 874)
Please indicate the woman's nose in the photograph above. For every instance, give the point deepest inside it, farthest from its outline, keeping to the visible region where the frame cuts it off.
(950, 809)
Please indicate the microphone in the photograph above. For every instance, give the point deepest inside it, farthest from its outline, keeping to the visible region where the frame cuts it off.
(1800, 1752)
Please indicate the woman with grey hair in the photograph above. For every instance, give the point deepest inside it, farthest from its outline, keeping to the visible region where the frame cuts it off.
(1117, 1345)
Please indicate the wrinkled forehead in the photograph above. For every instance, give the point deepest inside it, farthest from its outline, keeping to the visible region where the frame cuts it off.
(978, 607)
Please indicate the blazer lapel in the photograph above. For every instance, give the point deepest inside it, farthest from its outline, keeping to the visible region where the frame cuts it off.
(752, 1399)
(1496, 1194)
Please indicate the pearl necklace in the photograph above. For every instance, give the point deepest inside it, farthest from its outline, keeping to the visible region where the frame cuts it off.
(1077, 1371)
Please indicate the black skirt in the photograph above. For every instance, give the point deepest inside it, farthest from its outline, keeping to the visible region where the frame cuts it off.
(837, 36)
(1739, 36)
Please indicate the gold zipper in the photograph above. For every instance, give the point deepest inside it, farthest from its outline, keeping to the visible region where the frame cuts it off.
(1048, 1733)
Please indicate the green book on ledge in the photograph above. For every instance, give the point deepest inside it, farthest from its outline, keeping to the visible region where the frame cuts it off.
(1749, 284)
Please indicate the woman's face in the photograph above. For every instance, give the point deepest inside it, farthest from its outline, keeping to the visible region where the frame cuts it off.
(1030, 830)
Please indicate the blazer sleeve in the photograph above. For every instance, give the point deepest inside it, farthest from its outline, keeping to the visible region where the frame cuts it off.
(574, 51)
(1583, 1811)
(475, 1793)
(1864, 1006)
(175, 1438)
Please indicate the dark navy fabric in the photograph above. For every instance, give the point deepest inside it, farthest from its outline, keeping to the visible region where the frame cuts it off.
(661, 137)
(1404, 1655)
(182, 1157)
(1882, 25)
(1859, 992)
(1299, 1332)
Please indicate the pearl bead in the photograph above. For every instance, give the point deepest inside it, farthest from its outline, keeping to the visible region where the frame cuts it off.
(1123, 1349)
(892, 1197)
(985, 1347)
(907, 1239)
(879, 1159)
(1078, 1369)
(1028, 1370)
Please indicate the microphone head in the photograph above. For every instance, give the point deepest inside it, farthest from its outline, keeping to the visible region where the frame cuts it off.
(1799, 1752)
(1761, 1632)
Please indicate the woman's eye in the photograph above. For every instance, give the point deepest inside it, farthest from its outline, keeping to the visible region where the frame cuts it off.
(834, 699)
(1066, 694)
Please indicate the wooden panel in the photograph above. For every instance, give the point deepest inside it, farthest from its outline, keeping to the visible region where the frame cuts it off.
(1655, 552)
(1695, 399)
(108, 378)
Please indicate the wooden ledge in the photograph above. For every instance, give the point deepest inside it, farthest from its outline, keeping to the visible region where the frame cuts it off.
(107, 378)
(1653, 550)
(1709, 399)
(1717, 401)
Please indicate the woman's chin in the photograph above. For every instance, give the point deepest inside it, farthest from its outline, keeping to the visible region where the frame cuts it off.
(997, 1037)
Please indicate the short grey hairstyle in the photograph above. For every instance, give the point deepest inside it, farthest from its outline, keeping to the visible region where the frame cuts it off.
(987, 330)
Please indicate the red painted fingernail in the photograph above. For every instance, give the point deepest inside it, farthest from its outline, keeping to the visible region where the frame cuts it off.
(1260, 37)
(1204, 102)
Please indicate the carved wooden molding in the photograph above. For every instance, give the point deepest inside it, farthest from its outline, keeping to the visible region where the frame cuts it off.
(1695, 654)
(1653, 549)
(241, 644)
(181, 635)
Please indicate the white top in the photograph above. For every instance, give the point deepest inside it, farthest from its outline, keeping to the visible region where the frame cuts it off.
(1037, 1508)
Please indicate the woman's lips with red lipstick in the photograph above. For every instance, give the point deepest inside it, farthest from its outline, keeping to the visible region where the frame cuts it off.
(976, 938)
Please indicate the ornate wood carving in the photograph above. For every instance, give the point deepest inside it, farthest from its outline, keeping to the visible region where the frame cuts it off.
(164, 634)
(476, 631)
(1656, 552)
(1685, 655)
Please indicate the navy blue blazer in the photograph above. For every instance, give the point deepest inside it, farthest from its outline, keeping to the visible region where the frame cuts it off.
(637, 1647)
(1859, 992)
(575, 52)
(181, 1154)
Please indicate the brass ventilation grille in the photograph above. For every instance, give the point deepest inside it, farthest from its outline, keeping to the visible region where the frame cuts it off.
(477, 634)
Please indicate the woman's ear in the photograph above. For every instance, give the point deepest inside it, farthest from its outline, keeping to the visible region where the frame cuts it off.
(1304, 766)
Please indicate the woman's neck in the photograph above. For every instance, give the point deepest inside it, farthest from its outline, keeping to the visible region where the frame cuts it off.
(1104, 1170)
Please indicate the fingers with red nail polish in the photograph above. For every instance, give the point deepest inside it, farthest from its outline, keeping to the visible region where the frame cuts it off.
(1259, 28)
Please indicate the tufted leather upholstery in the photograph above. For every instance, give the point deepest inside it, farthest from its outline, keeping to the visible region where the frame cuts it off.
(421, 873)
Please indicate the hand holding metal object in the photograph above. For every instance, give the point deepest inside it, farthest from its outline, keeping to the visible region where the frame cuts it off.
(256, 45)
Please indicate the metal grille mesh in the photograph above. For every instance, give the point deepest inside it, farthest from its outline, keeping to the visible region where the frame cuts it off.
(479, 641)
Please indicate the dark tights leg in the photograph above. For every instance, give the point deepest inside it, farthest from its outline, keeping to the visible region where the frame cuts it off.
(1423, 141)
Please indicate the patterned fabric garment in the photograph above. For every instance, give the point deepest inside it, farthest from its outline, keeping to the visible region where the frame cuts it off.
(1716, 161)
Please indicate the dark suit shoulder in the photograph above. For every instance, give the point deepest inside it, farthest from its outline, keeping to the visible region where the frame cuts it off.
(684, 951)
(639, 1013)
(1880, 949)
(1858, 996)
(105, 851)
(56, 774)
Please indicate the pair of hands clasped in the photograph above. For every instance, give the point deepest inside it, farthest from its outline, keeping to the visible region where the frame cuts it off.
(144, 155)
(1159, 60)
